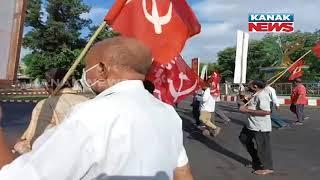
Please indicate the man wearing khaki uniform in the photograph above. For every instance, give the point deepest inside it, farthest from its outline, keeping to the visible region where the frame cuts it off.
(207, 108)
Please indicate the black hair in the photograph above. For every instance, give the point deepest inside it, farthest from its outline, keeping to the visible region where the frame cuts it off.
(55, 76)
(148, 85)
(259, 83)
(298, 80)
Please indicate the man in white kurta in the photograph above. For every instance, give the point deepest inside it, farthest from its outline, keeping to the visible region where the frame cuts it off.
(122, 132)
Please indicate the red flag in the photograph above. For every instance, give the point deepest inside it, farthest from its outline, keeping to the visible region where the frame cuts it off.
(174, 81)
(296, 70)
(164, 26)
(316, 50)
(215, 86)
(195, 65)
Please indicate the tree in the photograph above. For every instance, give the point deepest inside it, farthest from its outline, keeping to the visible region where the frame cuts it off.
(106, 33)
(226, 59)
(267, 52)
(55, 40)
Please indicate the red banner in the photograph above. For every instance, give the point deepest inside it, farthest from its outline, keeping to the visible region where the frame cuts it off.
(164, 26)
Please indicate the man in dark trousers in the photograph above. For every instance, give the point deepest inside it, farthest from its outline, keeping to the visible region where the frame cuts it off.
(196, 107)
(258, 129)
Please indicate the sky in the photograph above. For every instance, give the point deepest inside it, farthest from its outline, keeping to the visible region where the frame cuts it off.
(220, 19)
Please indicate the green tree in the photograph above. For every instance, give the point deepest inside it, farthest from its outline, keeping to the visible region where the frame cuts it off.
(267, 52)
(106, 33)
(56, 40)
(226, 59)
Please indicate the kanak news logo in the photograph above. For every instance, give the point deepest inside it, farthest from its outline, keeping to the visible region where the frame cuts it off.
(271, 22)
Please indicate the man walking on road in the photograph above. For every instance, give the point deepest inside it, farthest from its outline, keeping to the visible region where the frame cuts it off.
(258, 129)
(196, 106)
(298, 100)
(207, 108)
(275, 106)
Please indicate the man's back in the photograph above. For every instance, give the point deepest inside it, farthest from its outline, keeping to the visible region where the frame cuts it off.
(143, 135)
(208, 102)
(127, 133)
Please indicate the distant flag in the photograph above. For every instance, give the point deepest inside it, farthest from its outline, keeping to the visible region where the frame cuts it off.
(214, 80)
(164, 26)
(316, 50)
(204, 72)
(195, 65)
(296, 70)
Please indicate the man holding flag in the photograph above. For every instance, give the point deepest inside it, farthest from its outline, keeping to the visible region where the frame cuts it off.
(127, 141)
(115, 69)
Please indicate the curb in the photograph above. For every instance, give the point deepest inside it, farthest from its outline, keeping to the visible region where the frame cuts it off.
(282, 100)
(23, 93)
(19, 101)
(228, 98)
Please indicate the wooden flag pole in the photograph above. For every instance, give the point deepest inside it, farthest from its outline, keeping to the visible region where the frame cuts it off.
(286, 70)
(275, 76)
(80, 57)
(280, 75)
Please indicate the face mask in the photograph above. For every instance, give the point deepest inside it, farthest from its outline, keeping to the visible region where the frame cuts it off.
(85, 84)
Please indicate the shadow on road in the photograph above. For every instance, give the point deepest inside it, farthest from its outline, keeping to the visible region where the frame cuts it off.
(196, 134)
(238, 122)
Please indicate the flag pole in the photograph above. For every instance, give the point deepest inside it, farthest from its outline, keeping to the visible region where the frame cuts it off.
(80, 57)
(275, 76)
(280, 75)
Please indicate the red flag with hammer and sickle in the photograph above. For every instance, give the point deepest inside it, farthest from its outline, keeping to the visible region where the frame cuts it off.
(296, 70)
(164, 26)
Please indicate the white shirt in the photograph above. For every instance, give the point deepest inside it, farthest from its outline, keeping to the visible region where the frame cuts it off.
(260, 123)
(208, 103)
(272, 93)
(124, 131)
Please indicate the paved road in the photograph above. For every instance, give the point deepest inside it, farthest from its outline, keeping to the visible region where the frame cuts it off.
(295, 150)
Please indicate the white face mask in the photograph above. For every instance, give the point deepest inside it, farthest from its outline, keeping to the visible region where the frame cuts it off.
(84, 81)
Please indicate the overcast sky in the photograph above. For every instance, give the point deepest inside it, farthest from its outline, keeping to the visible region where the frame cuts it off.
(220, 20)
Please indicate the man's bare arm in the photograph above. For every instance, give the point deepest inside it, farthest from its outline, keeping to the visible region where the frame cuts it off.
(183, 173)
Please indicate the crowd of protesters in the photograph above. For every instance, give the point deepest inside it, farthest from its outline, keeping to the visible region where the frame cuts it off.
(73, 137)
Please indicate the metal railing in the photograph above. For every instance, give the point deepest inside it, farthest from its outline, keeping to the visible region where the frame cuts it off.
(282, 89)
